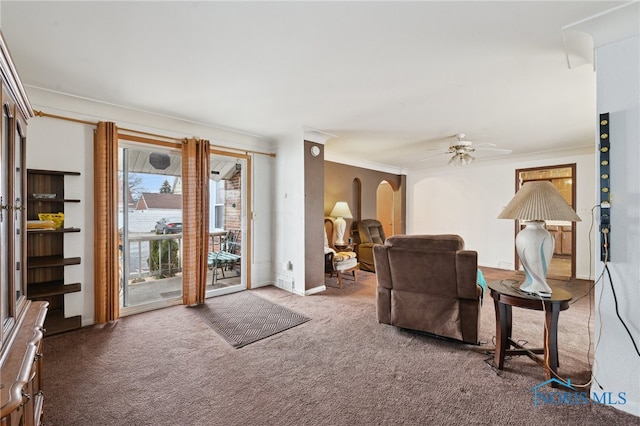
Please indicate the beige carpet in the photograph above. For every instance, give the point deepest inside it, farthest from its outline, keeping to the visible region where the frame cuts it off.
(168, 367)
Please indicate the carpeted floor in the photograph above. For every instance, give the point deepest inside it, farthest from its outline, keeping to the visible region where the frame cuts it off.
(168, 367)
(243, 318)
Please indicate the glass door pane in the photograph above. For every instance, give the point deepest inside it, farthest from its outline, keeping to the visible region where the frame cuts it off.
(150, 226)
(227, 225)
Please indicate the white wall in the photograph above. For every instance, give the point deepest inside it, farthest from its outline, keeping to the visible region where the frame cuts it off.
(289, 210)
(617, 364)
(262, 218)
(63, 145)
(467, 201)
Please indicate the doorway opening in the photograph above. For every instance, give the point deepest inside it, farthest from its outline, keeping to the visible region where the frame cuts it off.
(563, 178)
(385, 207)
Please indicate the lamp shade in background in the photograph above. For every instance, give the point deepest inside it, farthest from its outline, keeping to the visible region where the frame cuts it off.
(536, 202)
(340, 212)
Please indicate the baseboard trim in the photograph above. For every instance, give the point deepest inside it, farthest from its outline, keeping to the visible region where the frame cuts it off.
(315, 290)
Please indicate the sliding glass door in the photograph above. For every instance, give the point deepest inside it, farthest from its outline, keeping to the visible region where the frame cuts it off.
(150, 226)
(228, 254)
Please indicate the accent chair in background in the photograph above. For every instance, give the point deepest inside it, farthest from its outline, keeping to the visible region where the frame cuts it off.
(428, 283)
(337, 262)
(370, 233)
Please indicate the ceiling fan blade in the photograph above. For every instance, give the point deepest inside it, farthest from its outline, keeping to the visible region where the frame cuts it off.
(482, 145)
(497, 151)
(433, 154)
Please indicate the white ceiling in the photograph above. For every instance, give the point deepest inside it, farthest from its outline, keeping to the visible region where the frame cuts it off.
(390, 80)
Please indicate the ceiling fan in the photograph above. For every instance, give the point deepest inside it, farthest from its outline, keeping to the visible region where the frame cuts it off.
(461, 151)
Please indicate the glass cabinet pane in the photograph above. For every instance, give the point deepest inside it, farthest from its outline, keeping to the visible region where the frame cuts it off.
(19, 205)
(4, 220)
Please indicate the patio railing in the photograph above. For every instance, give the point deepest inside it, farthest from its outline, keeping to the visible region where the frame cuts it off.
(150, 255)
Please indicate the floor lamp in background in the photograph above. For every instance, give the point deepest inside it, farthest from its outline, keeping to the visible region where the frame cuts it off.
(341, 212)
(534, 203)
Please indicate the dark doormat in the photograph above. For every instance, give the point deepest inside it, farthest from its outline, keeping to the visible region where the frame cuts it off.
(243, 318)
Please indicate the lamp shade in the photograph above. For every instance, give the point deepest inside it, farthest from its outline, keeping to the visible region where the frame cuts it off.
(536, 202)
(539, 200)
(341, 209)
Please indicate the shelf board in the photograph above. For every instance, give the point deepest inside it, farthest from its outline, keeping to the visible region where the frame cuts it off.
(52, 172)
(52, 231)
(51, 261)
(56, 323)
(53, 200)
(52, 288)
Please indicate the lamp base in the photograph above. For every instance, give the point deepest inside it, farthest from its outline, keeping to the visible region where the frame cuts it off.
(341, 226)
(534, 245)
(535, 290)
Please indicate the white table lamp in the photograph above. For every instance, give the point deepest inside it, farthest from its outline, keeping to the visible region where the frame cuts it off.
(341, 212)
(534, 203)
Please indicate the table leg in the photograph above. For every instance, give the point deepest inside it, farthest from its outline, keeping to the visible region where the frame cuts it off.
(551, 360)
(503, 332)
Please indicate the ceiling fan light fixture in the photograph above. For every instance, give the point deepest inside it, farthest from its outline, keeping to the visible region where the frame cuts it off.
(460, 159)
(461, 149)
(467, 159)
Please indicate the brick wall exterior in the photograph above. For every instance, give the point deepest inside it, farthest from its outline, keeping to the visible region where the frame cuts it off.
(233, 202)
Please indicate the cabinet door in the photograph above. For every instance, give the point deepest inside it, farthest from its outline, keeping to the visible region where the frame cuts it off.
(567, 240)
(18, 223)
(5, 306)
(12, 215)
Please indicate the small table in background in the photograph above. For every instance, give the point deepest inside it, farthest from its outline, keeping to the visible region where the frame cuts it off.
(346, 247)
(506, 295)
(216, 233)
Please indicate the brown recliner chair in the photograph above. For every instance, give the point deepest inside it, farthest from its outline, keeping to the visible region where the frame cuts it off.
(370, 233)
(428, 283)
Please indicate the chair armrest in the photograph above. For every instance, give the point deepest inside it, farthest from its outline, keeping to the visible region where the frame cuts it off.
(383, 269)
(467, 274)
(367, 245)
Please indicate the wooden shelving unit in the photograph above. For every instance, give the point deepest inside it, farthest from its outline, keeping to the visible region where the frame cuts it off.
(46, 260)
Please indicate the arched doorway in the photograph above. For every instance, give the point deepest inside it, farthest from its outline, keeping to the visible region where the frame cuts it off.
(385, 206)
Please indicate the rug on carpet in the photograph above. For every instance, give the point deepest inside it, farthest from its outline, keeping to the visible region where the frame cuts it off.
(243, 318)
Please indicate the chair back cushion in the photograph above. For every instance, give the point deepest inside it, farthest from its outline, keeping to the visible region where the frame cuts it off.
(445, 242)
(371, 231)
(428, 283)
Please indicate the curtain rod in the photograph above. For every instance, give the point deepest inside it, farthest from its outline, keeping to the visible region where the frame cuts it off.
(38, 113)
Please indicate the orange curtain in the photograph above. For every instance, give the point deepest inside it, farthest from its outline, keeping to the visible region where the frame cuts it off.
(106, 271)
(195, 219)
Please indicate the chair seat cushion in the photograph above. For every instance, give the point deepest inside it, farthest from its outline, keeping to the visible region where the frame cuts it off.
(341, 256)
(222, 257)
(344, 263)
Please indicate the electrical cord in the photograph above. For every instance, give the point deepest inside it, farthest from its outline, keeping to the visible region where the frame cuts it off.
(615, 299)
(588, 293)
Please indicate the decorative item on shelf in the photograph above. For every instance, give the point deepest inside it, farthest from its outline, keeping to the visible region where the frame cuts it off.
(44, 196)
(56, 218)
(534, 203)
(47, 225)
(341, 212)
